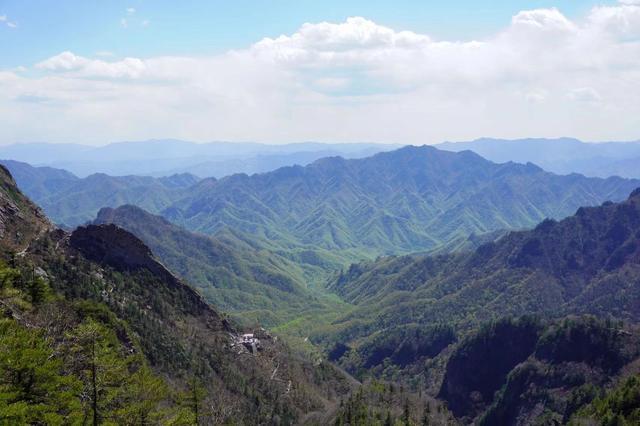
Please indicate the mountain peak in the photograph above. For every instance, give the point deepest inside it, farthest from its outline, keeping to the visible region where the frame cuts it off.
(115, 247)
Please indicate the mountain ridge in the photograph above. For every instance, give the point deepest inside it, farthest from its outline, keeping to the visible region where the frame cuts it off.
(172, 156)
(556, 268)
(253, 284)
(560, 155)
(415, 199)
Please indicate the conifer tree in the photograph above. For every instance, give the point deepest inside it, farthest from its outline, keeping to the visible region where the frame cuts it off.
(102, 369)
(32, 388)
(143, 394)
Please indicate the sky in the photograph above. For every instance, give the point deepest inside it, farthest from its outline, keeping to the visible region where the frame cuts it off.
(416, 72)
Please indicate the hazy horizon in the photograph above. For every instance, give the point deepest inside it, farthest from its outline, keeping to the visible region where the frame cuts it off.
(318, 142)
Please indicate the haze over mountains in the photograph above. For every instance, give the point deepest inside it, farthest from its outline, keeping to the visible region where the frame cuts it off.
(169, 156)
(407, 200)
(562, 156)
(219, 159)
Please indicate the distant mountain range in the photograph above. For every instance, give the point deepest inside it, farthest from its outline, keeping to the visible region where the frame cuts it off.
(337, 210)
(408, 200)
(71, 201)
(562, 156)
(169, 156)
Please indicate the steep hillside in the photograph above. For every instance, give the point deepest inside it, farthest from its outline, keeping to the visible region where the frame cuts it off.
(620, 405)
(93, 326)
(20, 220)
(511, 372)
(253, 284)
(530, 372)
(587, 263)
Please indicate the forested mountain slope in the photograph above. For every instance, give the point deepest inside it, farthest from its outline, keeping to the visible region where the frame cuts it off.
(587, 263)
(411, 199)
(502, 334)
(524, 372)
(95, 329)
(73, 201)
(253, 284)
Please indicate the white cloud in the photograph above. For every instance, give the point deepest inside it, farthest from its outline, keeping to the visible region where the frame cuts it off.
(585, 94)
(7, 22)
(541, 75)
(93, 68)
(131, 11)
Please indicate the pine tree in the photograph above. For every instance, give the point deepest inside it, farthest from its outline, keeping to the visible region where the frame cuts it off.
(143, 394)
(193, 402)
(32, 388)
(102, 369)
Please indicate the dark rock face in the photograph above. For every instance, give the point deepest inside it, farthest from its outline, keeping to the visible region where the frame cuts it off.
(112, 246)
(479, 366)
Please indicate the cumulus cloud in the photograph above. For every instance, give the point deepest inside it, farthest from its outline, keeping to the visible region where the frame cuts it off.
(541, 75)
(84, 67)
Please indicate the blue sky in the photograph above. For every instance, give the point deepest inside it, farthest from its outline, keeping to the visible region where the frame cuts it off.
(405, 71)
(189, 27)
